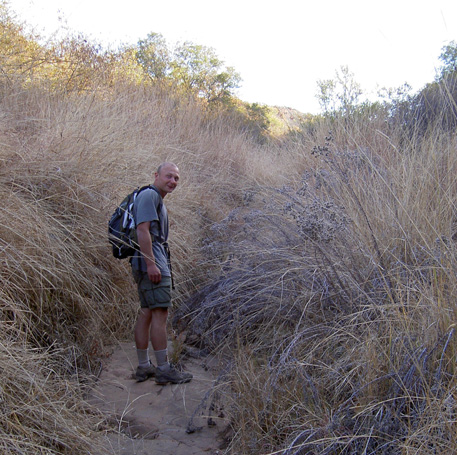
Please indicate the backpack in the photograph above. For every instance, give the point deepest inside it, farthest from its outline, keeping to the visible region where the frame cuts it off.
(121, 226)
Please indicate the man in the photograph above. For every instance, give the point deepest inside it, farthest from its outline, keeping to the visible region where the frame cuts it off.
(151, 270)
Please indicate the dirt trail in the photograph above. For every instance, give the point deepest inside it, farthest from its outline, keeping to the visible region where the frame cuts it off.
(155, 419)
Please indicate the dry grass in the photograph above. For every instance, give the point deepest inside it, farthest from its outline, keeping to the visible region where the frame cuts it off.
(323, 264)
(337, 295)
(329, 261)
(43, 413)
(66, 160)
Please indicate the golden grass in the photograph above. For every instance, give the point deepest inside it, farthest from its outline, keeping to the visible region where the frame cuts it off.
(341, 288)
(324, 264)
(66, 161)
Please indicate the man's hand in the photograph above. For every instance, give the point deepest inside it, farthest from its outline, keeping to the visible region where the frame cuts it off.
(154, 273)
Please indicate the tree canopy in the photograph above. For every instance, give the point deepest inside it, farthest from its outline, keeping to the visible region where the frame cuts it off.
(190, 67)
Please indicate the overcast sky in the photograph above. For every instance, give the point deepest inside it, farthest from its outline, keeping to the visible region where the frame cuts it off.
(280, 48)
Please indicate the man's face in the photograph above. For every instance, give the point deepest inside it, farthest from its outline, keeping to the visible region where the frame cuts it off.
(167, 179)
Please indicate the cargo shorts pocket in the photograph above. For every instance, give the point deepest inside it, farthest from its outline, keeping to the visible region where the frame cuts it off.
(162, 292)
(154, 295)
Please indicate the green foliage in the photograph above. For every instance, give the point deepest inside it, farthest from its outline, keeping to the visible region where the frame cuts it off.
(71, 64)
(190, 67)
(153, 55)
(252, 119)
(19, 52)
(435, 106)
(448, 57)
(258, 115)
(395, 98)
(340, 95)
(326, 95)
(75, 64)
(198, 69)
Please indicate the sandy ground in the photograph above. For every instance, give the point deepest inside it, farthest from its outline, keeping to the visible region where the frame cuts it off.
(153, 419)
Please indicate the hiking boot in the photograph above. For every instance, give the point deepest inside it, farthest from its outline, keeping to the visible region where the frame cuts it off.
(171, 375)
(142, 374)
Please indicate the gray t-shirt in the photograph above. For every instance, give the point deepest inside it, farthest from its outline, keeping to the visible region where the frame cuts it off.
(149, 206)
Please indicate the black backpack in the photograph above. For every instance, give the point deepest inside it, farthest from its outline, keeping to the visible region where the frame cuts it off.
(121, 226)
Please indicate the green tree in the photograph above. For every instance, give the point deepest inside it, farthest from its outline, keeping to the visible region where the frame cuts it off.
(154, 56)
(20, 53)
(448, 58)
(340, 95)
(435, 106)
(326, 95)
(198, 69)
(190, 67)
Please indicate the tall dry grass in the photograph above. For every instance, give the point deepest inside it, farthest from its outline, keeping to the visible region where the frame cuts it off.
(66, 161)
(323, 265)
(336, 295)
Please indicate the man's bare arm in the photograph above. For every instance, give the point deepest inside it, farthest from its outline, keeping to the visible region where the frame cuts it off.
(145, 243)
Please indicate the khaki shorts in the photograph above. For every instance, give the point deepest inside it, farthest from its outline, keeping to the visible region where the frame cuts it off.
(153, 295)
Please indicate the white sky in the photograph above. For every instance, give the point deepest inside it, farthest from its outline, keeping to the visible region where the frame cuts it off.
(280, 48)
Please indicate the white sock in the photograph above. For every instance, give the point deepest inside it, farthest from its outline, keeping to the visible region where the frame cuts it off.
(162, 359)
(143, 358)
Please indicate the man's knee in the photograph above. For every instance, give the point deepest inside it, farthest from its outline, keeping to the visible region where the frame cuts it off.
(144, 316)
(159, 315)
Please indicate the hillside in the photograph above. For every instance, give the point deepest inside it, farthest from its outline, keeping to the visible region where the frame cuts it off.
(316, 255)
(289, 119)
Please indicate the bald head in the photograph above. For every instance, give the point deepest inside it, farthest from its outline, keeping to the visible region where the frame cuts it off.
(166, 164)
(166, 178)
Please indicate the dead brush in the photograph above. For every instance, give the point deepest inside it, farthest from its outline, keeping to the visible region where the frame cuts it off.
(341, 300)
(283, 253)
(40, 412)
(66, 161)
(53, 282)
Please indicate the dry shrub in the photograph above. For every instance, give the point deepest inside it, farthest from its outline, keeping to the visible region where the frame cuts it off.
(66, 161)
(336, 296)
(330, 278)
(41, 413)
